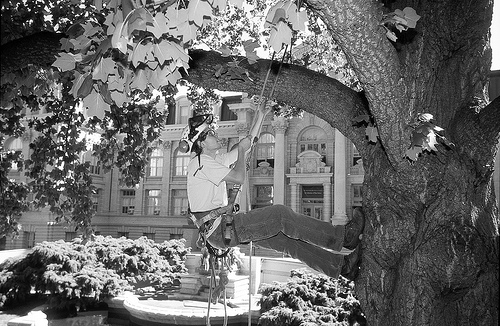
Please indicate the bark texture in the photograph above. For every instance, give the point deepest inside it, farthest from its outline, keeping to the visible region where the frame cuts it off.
(430, 252)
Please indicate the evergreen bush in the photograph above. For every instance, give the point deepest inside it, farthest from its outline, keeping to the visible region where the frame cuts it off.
(82, 273)
(310, 299)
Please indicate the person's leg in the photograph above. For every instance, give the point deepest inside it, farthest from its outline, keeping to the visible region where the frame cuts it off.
(315, 257)
(264, 223)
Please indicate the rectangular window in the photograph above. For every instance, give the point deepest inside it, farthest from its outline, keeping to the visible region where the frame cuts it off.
(183, 113)
(357, 195)
(128, 202)
(181, 163)
(153, 202)
(171, 114)
(96, 198)
(29, 239)
(263, 196)
(69, 236)
(355, 155)
(122, 234)
(95, 167)
(225, 113)
(155, 168)
(179, 202)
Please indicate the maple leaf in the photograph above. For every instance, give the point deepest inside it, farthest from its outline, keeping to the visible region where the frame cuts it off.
(159, 25)
(197, 9)
(96, 106)
(298, 19)
(115, 82)
(250, 47)
(65, 61)
(413, 152)
(162, 51)
(372, 134)
(81, 42)
(280, 35)
(411, 16)
(105, 67)
(176, 17)
(141, 79)
(118, 97)
(66, 44)
(86, 87)
(140, 53)
(187, 31)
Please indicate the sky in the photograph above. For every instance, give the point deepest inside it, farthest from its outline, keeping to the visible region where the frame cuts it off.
(495, 36)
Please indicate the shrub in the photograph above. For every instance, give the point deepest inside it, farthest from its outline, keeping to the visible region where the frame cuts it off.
(308, 299)
(82, 273)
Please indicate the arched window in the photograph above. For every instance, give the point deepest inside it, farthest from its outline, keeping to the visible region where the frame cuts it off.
(181, 161)
(313, 139)
(155, 168)
(264, 149)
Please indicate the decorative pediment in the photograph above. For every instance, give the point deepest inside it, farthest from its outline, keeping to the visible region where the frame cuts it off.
(310, 162)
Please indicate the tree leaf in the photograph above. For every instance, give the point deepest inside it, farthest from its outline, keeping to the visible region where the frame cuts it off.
(67, 61)
(159, 25)
(372, 134)
(115, 82)
(141, 79)
(120, 98)
(105, 67)
(87, 86)
(197, 9)
(187, 31)
(140, 53)
(95, 104)
(413, 152)
(298, 19)
(66, 44)
(411, 17)
(279, 35)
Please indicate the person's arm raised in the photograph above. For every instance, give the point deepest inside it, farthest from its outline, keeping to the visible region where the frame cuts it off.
(237, 173)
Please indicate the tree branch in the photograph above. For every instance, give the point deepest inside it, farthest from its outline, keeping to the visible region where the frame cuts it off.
(313, 92)
(37, 49)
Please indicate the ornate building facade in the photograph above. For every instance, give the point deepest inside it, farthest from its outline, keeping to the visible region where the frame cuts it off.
(302, 163)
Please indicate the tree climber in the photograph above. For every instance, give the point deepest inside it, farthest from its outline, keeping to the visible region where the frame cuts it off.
(317, 243)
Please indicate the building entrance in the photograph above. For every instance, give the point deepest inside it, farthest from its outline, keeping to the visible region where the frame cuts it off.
(312, 201)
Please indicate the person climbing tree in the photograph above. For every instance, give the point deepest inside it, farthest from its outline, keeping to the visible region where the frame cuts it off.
(319, 244)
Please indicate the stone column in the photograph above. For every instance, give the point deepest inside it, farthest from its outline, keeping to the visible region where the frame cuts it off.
(327, 201)
(339, 179)
(293, 197)
(279, 125)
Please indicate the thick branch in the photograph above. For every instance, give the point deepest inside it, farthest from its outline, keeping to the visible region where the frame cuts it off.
(38, 49)
(316, 93)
